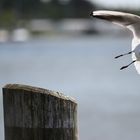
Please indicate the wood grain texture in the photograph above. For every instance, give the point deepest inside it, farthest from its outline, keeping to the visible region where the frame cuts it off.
(32, 113)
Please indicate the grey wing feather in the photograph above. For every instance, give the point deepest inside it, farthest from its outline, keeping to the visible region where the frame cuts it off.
(130, 21)
(121, 18)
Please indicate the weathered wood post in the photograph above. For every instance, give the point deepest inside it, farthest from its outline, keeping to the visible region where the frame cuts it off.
(32, 113)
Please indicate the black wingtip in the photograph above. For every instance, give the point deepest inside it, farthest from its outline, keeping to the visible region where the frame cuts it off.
(91, 14)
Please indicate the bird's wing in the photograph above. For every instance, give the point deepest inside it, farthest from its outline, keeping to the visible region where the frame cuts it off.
(130, 21)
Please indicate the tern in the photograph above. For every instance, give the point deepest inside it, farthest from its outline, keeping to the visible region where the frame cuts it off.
(129, 21)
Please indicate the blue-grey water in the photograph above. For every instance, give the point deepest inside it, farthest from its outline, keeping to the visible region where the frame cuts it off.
(84, 68)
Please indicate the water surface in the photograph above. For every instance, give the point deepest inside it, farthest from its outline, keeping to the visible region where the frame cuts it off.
(84, 68)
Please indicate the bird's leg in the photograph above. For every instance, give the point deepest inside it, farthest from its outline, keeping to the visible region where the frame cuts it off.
(123, 54)
(127, 65)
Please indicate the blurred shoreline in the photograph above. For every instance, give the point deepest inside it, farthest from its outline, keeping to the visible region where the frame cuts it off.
(66, 27)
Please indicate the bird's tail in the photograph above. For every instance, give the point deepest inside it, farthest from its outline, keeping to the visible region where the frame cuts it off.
(137, 65)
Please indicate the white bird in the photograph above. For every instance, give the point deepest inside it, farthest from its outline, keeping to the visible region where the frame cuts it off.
(129, 21)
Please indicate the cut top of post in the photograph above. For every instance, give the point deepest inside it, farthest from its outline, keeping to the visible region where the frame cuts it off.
(39, 90)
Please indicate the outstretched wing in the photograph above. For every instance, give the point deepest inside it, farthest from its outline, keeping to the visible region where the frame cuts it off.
(130, 21)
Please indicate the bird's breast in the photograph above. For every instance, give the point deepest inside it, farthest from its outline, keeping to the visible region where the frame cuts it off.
(137, 52)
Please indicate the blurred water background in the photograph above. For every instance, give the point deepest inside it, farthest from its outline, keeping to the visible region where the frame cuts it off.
(84, 68)
(54, 44)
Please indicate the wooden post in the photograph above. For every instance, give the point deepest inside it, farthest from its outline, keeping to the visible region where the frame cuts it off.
(32, 113)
